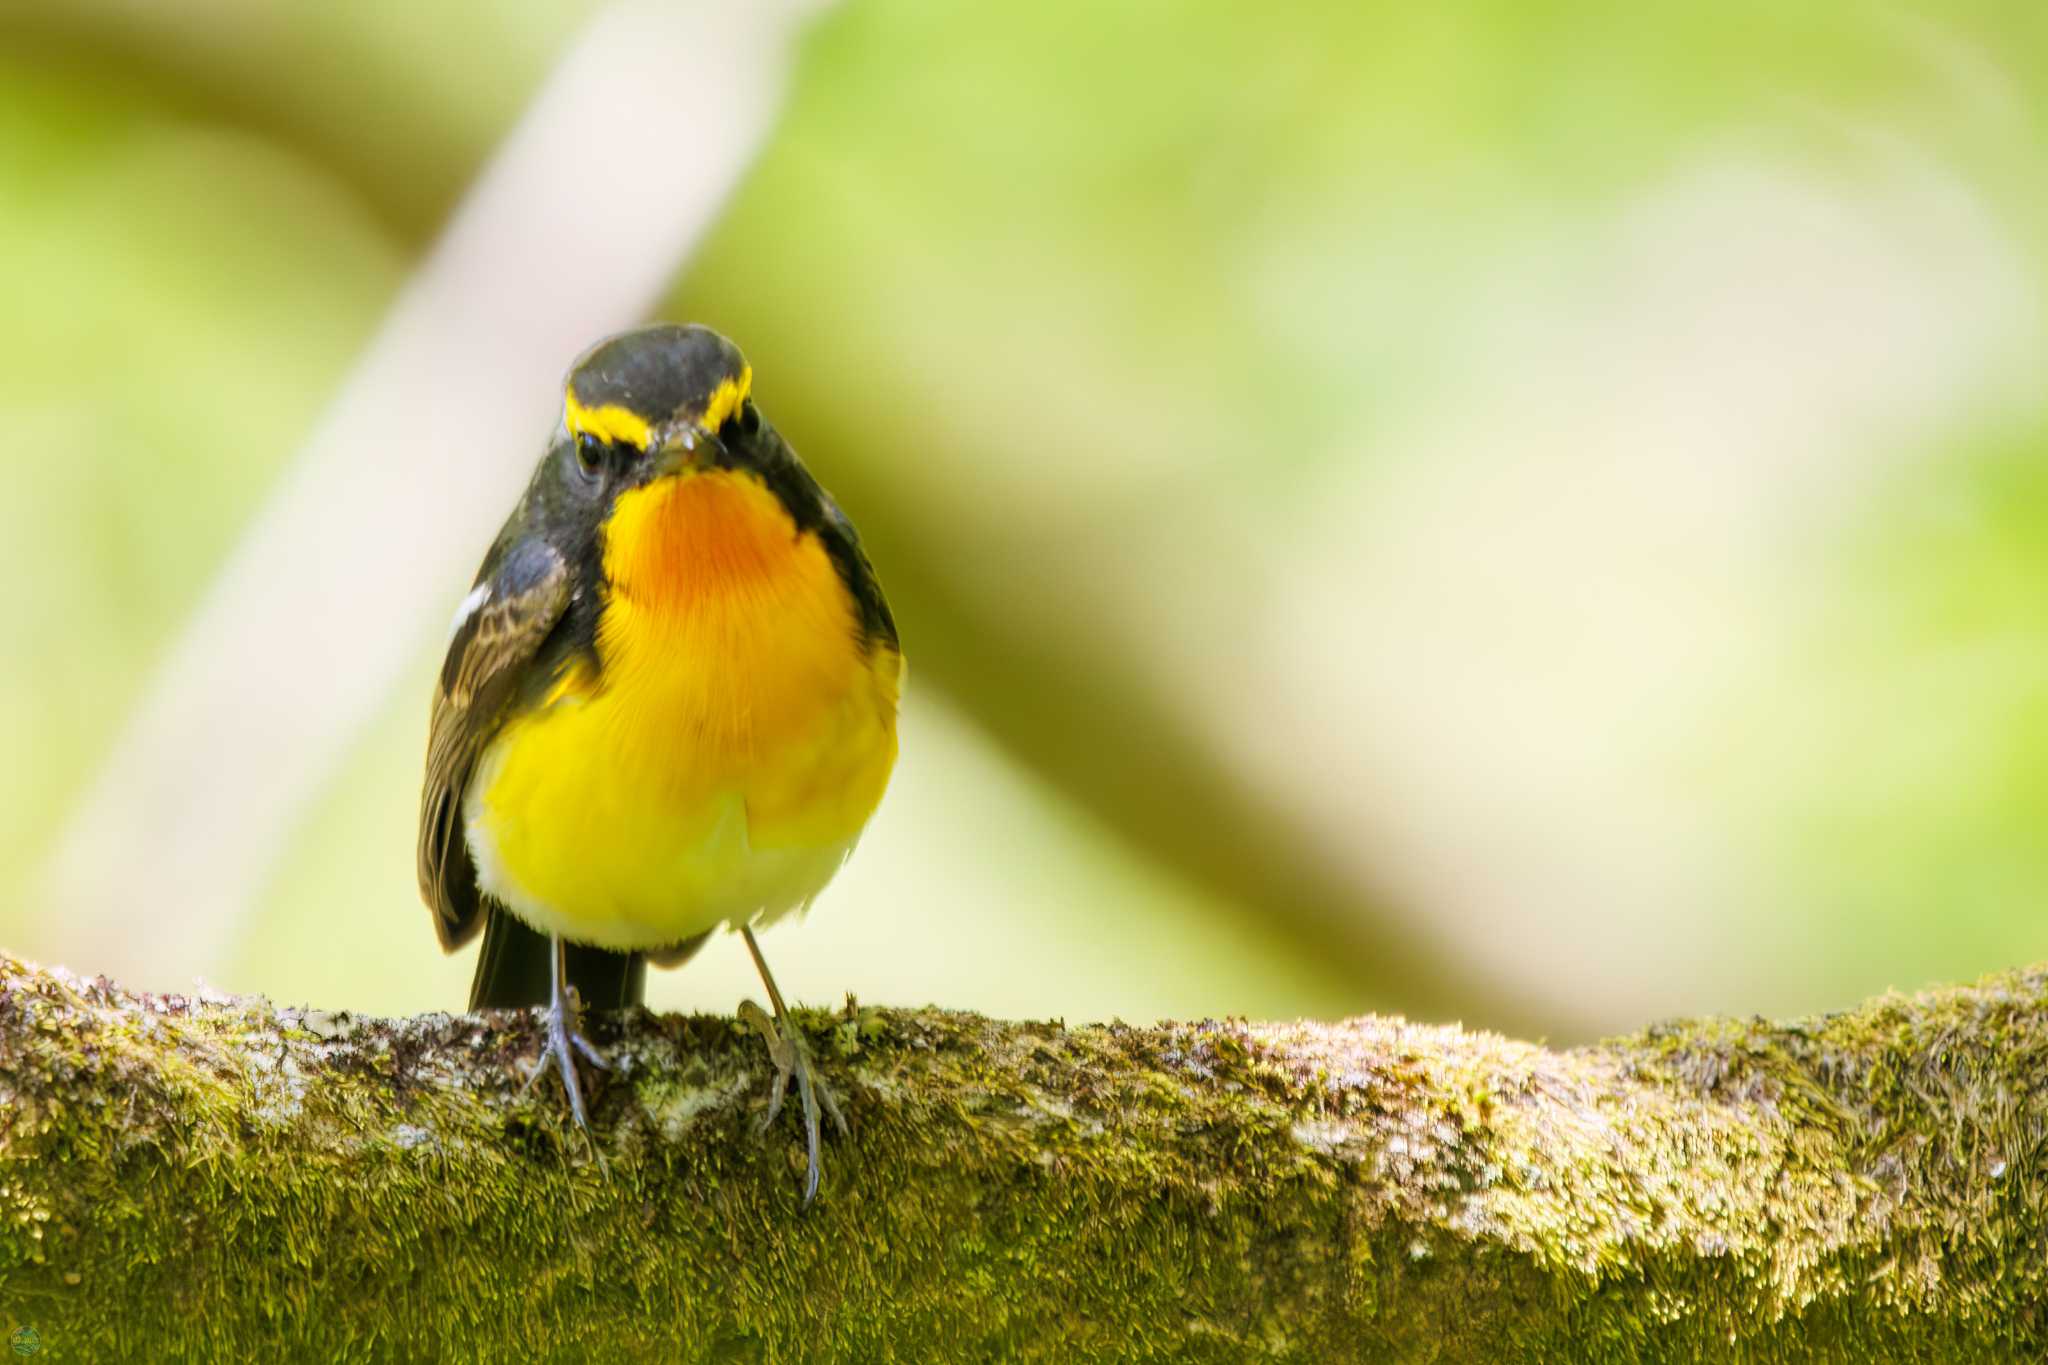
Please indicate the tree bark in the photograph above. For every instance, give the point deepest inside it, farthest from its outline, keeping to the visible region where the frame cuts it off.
(219, 1178)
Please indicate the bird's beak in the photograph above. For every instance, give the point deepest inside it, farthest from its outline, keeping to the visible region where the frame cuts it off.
(688, 448)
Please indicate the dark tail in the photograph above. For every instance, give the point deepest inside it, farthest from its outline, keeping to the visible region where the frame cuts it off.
(512, 971)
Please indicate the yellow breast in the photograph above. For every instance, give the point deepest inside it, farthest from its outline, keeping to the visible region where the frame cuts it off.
(720, 762)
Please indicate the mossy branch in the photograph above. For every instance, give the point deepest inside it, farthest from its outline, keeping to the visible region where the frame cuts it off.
(219, 1178)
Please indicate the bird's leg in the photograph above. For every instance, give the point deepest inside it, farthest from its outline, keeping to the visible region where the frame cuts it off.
(786, 1049)
(565, 1040)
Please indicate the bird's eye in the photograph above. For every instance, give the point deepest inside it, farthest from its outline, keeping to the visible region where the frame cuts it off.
(589, 453)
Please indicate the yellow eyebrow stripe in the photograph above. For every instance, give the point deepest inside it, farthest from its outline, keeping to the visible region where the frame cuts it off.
(725, 400)
(607, 422)
(610, 422)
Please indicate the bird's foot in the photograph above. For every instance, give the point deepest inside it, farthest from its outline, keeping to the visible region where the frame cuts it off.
(563, 1021)
(786, 1049)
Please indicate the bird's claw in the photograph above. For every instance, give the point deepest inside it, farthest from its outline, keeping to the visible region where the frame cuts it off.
(791, 1058)
(564, 1041)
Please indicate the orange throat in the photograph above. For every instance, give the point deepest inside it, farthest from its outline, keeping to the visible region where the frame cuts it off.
(724, 618)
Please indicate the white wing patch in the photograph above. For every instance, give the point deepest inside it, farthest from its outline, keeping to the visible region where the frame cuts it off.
(471, 605)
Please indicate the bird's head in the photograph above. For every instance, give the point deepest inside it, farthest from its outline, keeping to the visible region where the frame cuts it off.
(652, 401)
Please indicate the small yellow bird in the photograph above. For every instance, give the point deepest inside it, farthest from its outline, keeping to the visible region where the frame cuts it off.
(669, 701)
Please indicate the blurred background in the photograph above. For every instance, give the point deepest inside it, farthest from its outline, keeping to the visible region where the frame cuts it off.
(1528, 514)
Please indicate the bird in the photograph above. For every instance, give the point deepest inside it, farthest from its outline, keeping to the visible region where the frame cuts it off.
(668, 705)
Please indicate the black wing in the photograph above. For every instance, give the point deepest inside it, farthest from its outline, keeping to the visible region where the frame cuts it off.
(523, 595)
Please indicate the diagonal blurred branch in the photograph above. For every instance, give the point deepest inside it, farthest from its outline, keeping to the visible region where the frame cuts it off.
(574, 228)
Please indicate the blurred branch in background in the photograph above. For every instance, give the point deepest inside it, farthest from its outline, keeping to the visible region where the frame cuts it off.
(573, 230)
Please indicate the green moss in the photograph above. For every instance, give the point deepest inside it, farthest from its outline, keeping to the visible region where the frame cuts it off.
(185, 1179)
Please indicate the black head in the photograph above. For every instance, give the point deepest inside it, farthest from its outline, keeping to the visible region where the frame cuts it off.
(641, 387)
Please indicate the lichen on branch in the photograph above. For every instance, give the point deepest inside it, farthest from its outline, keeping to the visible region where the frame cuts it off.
(216, 1177)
